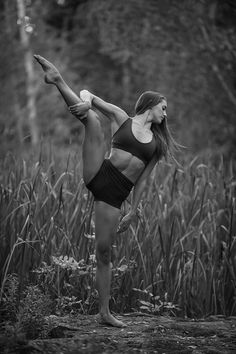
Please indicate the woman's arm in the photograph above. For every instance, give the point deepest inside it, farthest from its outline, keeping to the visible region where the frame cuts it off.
(137, 194)
(140, 184)
(108, 109)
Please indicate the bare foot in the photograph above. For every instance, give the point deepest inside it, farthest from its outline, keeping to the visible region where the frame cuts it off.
(108, 319)
(52, 75)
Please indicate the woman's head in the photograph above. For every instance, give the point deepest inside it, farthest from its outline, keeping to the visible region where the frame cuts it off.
(157, 103)
(148, 100)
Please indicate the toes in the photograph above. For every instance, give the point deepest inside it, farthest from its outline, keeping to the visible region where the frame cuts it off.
(39, 59)
(42, 61)
(36, 57)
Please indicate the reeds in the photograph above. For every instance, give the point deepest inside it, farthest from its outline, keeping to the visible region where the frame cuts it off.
(180, 250)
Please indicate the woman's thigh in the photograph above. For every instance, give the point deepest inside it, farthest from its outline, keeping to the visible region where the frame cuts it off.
(106, 222)
(94, 147)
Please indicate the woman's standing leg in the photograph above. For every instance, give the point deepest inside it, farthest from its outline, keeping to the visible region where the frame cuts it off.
(93, 145)
(106, 222)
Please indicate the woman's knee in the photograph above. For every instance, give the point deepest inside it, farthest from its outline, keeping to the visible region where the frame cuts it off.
(103, 253)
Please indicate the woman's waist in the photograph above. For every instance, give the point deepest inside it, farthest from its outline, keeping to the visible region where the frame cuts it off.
(129, 165)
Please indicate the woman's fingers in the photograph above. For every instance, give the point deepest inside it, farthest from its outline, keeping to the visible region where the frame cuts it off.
(125, 223)
(79, 110)
(123, 226)
(79, 107)
(75, 110)
(120, 230)
(76, 105)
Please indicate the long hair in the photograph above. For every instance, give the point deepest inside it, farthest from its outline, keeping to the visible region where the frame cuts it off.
(166, 144)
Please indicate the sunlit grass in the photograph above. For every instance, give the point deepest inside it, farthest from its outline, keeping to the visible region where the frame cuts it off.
(180, 250)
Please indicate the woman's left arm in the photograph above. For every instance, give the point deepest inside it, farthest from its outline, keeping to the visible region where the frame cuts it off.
(90, 101)
(137, 194)
(108, 109)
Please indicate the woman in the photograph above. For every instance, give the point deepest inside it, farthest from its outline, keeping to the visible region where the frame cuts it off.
(137, 144)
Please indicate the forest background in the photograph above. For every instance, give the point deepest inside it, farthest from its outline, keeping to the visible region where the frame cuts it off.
(118, 49)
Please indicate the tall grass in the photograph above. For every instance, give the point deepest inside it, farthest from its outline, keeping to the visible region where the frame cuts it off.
(180, 249)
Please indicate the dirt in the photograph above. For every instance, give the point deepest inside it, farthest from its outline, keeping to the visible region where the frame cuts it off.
(144, 334)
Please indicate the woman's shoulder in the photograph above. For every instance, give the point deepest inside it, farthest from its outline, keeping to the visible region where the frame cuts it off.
(117, 124)
(120, 116)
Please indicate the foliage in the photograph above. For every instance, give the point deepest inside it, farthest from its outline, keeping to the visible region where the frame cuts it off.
(70, 283)
(10, 300)
(180, 249)
(23, 312)
(32, 311)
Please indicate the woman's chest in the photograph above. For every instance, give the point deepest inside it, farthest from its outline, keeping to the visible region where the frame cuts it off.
(141, 134)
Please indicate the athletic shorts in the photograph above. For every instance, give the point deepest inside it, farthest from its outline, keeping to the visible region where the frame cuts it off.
(110, 185)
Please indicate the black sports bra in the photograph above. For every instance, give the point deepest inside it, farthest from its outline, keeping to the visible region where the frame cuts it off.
(124, 139)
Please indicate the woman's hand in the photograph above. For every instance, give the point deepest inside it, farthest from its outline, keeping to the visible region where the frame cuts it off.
(80, 110)
(125, 222)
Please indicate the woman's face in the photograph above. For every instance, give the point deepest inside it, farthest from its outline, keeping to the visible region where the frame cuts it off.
(159, 112)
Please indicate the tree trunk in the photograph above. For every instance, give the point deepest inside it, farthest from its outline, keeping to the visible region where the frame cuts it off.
(126, 82)
(30, 77)
(15, 105)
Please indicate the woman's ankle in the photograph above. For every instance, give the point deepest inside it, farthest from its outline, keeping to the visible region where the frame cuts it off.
(60, 83)
(104, 311)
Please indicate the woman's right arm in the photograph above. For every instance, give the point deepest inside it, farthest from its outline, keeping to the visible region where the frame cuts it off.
(136, 195)
(108, 109)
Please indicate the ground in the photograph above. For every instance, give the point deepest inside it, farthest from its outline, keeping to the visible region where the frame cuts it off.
(144, 334)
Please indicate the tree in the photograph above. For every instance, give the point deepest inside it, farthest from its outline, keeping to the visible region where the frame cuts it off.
(25, 30)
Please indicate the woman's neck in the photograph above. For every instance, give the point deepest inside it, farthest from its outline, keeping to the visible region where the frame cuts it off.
(142, 120)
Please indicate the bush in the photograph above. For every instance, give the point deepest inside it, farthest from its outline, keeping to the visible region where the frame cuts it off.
(32, 311)
(10, 299)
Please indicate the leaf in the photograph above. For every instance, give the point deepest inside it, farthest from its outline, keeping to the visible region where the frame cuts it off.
(145, 303)
(123, 268)
(145, 308)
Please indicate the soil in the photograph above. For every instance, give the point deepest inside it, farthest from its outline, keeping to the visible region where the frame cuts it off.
(144, 334)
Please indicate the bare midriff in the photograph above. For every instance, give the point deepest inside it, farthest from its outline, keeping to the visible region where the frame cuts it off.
(129, 165)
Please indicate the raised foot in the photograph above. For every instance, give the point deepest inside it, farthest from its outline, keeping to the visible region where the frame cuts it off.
(108, 319)
(52, 75)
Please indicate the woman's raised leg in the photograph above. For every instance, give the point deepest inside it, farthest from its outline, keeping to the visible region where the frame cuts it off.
(52, 76)
(106, 222)
(93, 145)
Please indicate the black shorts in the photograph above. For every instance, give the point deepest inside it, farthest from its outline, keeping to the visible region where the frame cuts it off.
(110, 185)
